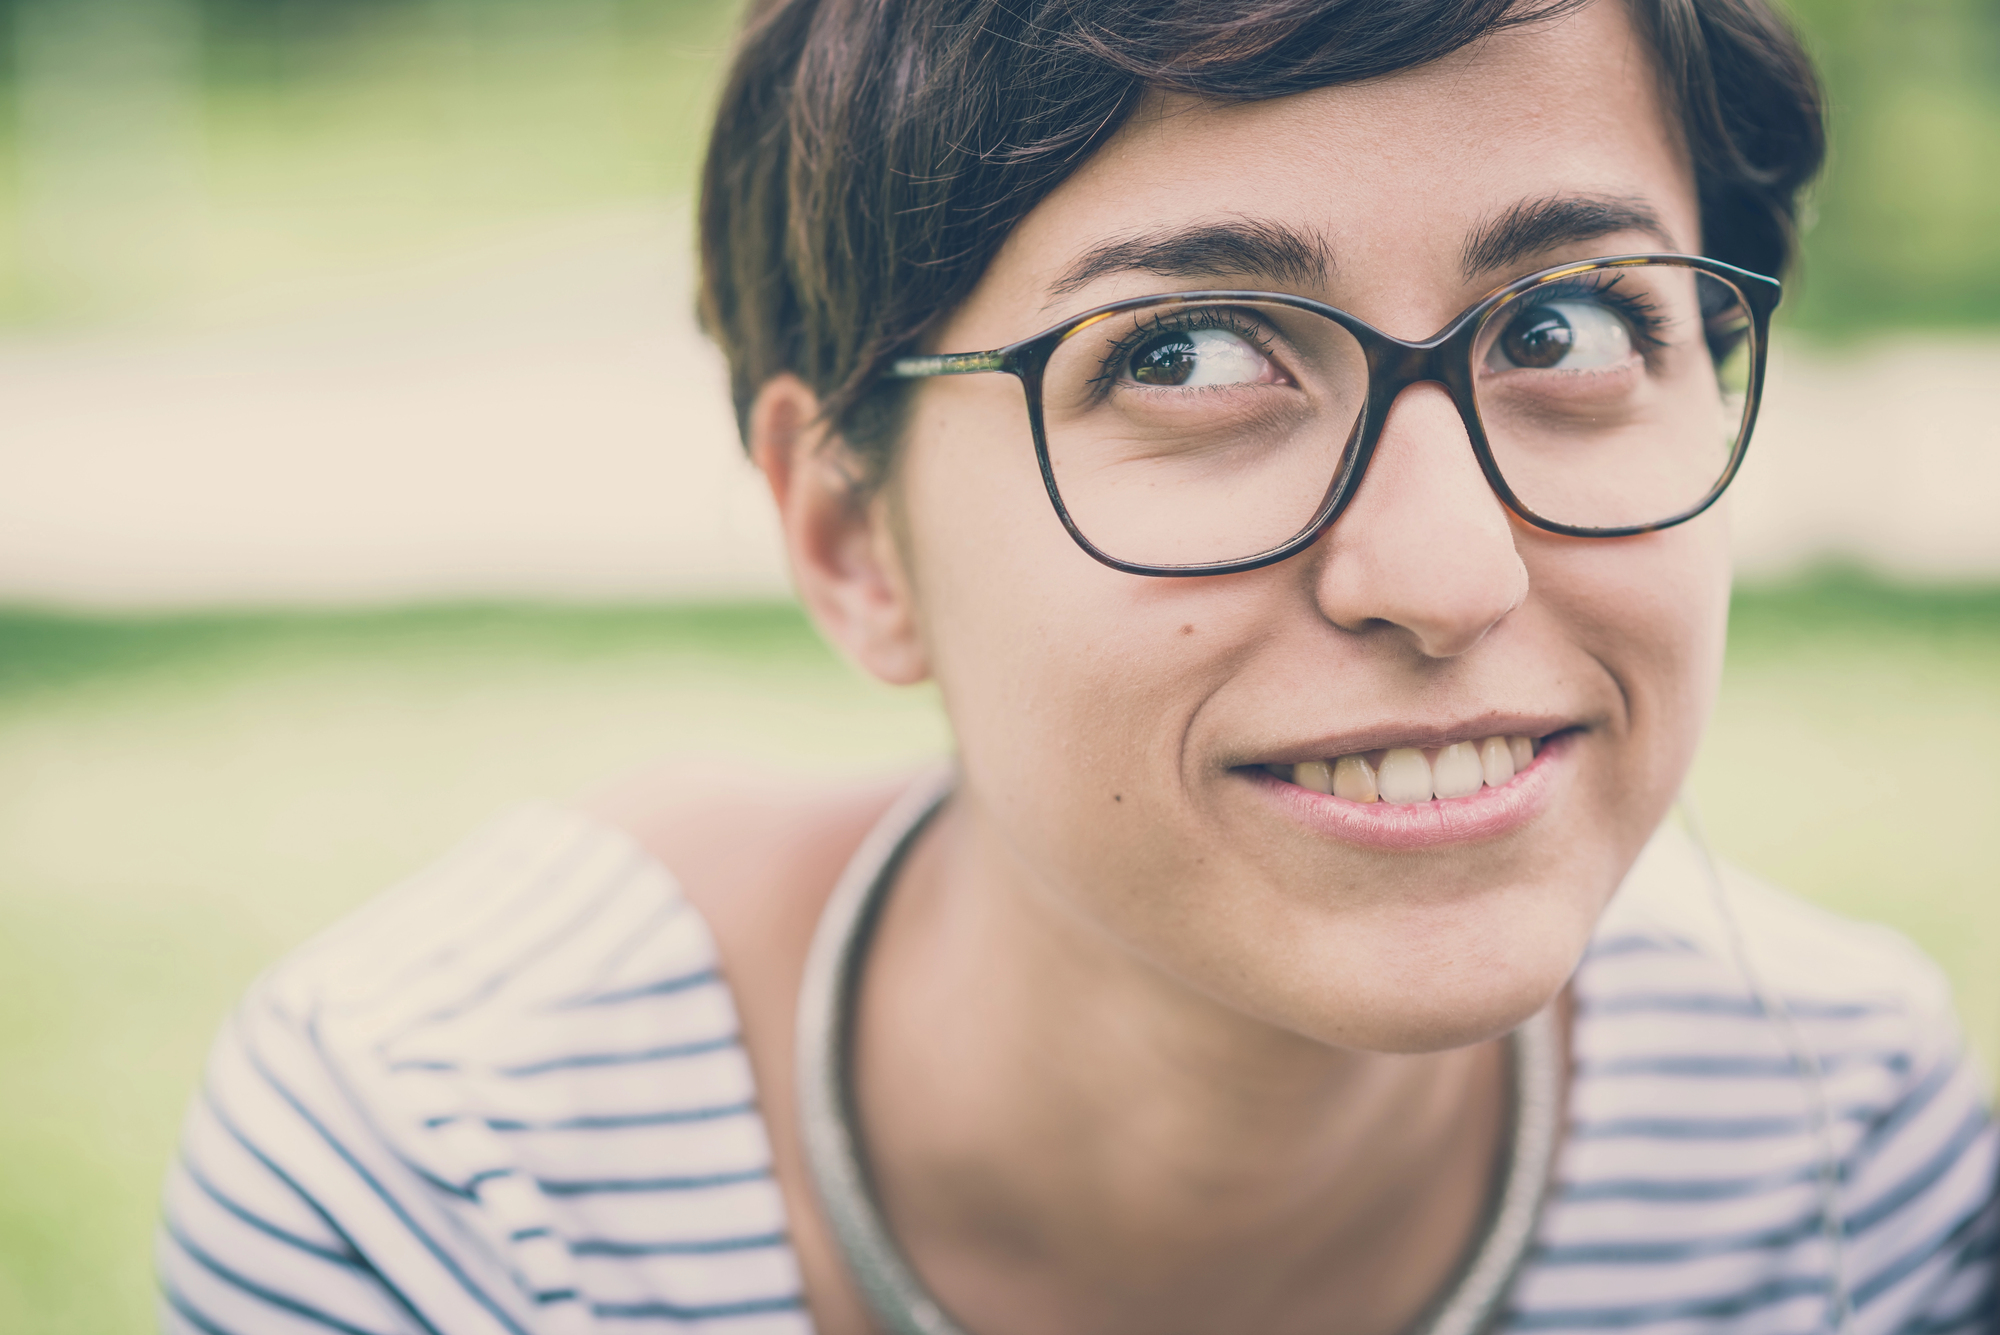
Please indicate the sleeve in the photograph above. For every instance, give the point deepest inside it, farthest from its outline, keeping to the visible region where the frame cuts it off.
(241, 1248)
(1921, 1222)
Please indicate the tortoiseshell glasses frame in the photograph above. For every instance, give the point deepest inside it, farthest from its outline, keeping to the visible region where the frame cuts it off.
(1448, 358)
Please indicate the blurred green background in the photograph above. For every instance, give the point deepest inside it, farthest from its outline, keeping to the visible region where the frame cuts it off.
(1905, 230)
(185, 795)
(266, 138)
(169, 150)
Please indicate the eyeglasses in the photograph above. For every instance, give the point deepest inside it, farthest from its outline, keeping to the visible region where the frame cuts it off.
(1203, 433)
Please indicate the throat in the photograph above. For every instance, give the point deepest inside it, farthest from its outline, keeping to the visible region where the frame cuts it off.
(1063, 1142)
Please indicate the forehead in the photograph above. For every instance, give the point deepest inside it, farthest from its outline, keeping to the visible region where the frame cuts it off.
(1393, 174)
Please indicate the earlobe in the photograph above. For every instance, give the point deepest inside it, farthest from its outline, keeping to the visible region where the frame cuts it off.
(846, 563)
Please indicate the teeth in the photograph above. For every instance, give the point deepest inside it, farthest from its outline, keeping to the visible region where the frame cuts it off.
(1405, 776)
(1314, 774)
(1456, 772)
(1354, 779)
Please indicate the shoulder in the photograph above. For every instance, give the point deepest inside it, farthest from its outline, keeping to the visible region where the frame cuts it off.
(1724, 967)
(759, 856)
(1813, 958)
(756, 853)
(512, 1086)
(487, 955)
(1732, 1054)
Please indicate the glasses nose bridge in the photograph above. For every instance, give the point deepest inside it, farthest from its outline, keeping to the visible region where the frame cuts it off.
(1395, 365)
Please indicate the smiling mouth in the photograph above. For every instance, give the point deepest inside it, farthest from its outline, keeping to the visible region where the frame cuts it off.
(1405, 775)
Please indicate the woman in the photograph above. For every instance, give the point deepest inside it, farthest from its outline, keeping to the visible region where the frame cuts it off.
(1323, 653)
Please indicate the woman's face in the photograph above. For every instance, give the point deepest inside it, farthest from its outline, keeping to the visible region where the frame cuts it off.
(1115, 730)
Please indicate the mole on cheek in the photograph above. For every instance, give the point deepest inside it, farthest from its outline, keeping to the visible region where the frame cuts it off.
(1188, 629)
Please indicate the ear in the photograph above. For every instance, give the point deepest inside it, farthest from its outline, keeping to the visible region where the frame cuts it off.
(845, 560)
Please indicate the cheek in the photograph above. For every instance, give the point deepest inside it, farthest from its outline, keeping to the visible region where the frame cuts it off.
(1068, 684)
(1009, 607)
(1653, 611)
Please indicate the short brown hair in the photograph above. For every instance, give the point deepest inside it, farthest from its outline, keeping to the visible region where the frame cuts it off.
(870, 156)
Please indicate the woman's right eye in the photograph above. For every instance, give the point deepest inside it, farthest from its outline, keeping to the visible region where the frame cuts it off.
(1199, 358)
(1562, 335)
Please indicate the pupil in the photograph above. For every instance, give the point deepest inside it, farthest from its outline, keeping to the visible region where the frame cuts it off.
(1539, 338)
(1168, 360)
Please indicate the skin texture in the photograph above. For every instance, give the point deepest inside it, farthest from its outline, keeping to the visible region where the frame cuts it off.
(1140, 1050)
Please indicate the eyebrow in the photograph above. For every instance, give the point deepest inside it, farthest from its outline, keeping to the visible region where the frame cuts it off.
(1249, 246)
(1535, 226)
(1266, 248)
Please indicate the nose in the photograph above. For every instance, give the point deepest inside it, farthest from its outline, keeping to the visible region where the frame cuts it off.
(1424, 547)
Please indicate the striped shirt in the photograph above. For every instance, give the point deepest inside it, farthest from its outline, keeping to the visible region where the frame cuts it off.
(510, 1096)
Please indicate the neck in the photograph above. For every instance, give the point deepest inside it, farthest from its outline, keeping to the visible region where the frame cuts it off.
(1066, 1138)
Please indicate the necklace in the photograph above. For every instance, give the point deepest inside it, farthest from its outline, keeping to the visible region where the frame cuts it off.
(833, 1144)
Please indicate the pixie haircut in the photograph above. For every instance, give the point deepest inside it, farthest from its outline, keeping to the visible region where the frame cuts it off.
(869, 157)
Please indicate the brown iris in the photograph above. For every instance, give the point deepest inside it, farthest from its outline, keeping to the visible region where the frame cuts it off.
(1539, 338)
(1167, 360)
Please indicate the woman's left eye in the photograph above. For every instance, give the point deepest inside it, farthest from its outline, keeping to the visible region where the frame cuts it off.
(1562, 335)
(1197, 358)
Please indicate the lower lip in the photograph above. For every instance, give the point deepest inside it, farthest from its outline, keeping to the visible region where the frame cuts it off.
(1486, 814)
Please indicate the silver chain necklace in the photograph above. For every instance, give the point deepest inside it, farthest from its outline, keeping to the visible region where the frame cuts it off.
(833, 1144)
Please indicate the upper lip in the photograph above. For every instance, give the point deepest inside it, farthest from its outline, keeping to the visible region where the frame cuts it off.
(1423, 736)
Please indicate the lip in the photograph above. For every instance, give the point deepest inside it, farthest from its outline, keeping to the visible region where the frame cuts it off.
(1486, 814)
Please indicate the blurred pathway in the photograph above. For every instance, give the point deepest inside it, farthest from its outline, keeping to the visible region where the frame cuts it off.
(1887, 454)
(543, 420)
(537, 420)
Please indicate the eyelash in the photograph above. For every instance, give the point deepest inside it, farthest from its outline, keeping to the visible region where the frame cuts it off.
(1640, 315)
(1113, 363)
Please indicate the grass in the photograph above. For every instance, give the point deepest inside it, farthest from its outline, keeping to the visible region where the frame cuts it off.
(183, 799)
(1854, 757)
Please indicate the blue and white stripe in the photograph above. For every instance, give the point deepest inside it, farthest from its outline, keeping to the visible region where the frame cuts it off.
(1688, 1195)
(510, 1096)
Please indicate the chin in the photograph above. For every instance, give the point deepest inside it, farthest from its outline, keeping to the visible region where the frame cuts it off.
(1422, 987)
(1442, 1021)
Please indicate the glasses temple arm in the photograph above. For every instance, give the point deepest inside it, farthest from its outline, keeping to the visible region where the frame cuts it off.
(950, 363)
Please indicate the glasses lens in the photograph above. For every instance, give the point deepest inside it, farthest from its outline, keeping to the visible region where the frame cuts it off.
(1616, 397)
(1187, 433)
